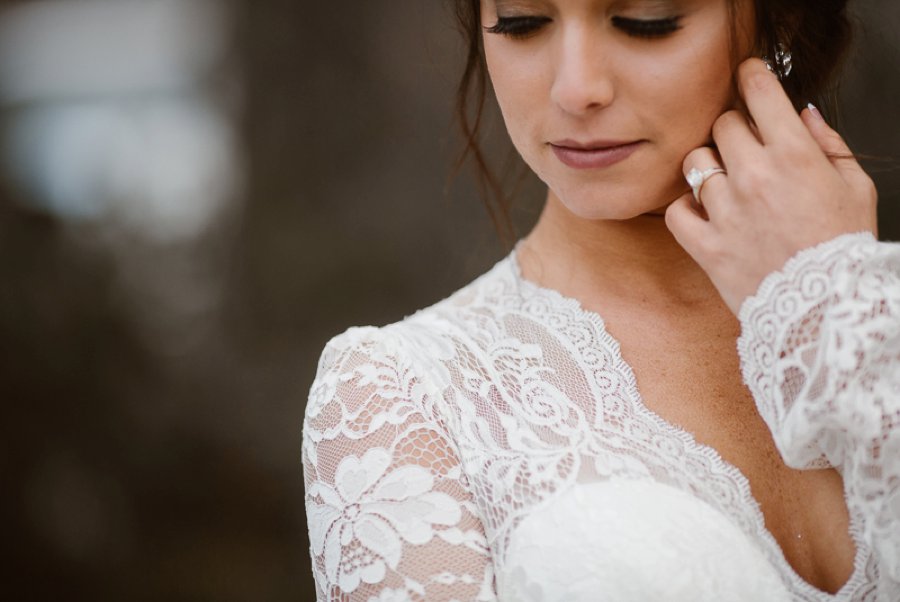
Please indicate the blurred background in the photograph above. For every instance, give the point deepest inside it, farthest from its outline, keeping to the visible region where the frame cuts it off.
(195, 195)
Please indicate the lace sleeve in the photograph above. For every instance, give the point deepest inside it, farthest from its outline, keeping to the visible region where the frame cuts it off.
(390, 516)
(820, 351)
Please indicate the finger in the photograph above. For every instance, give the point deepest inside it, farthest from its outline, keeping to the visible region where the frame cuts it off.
(831, 143)
(735, 140)
(714, 190)
(688, 227)
(767, 102)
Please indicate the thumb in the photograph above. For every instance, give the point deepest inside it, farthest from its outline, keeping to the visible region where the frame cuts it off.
(831, 143)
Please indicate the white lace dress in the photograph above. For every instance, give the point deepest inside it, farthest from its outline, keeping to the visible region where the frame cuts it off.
(494, 446)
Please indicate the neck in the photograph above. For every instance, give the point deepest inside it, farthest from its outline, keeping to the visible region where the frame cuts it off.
(635, 260)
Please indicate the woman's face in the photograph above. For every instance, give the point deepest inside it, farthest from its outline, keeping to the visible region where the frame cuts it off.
(642, 79)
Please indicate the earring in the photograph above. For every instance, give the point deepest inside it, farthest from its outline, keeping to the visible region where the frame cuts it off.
(783, 63)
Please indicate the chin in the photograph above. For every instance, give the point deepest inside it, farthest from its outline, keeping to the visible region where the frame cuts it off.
(617, 202)
(606, 206)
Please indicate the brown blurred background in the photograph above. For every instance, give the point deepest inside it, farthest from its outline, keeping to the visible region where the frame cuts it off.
(195, 196)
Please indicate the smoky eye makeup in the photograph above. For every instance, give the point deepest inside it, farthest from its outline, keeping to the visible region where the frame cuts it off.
(518, 26)
(626, 16)
(524, 26)
(647, 18)
(648, 28)
(519, 18)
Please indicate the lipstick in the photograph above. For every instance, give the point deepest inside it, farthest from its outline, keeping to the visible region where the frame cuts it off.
(593, 155)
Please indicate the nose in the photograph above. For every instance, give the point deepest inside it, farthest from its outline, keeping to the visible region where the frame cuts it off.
(583, 80)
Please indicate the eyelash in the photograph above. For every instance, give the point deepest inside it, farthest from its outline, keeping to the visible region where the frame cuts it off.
(522, 27)
(517, 27)
(656, 28)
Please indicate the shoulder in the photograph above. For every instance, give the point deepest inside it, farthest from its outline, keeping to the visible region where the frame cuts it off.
(371, 342)
(408, 365)
(361, 362)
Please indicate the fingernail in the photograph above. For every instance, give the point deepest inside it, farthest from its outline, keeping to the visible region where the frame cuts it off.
(815, 111)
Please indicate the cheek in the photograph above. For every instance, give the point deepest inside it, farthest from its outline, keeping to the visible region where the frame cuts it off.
(689, 116)
(690, 94)
(520, 94)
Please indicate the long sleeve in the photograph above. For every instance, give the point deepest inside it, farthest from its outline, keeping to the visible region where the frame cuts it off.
(820, 352)
(389, 512)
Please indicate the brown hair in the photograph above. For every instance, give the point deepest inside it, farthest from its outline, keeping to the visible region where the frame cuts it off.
(818, 33)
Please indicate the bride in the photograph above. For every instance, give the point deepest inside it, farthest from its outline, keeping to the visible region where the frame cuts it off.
(682, 384)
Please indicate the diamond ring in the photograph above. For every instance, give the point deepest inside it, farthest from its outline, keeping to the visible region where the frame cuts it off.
(697, 179)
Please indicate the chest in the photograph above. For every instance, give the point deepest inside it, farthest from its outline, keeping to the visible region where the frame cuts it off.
(691, 378)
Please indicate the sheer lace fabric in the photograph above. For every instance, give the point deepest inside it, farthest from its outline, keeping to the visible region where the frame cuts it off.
(494, 446)
(820, 351)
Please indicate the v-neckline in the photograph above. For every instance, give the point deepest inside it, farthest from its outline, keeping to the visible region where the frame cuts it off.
(862, 553)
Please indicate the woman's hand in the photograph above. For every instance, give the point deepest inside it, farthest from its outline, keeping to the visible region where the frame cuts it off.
(781, 193)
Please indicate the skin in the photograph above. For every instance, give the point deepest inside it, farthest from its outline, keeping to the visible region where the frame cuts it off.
(604, 227)
(630, 242)
(629, 231)
(783, 193)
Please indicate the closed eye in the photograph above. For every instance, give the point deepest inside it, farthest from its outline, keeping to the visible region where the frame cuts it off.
(644, 28)
(517, 27)
(523, 26)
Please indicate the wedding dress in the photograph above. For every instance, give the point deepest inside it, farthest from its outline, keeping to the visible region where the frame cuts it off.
(494, 446)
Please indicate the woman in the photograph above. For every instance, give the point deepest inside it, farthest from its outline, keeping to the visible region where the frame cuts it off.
(576, 424)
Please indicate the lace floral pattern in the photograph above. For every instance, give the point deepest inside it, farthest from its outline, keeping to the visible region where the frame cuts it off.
(389, 515)
(381, 510)
(430, 446)
(820, 351)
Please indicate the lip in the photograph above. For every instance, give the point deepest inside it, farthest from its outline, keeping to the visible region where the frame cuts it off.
(593, 155)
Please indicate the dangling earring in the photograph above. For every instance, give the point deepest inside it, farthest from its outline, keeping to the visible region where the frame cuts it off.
(783, 63)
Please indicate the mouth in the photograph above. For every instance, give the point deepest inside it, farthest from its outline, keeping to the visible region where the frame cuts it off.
(590, 145)
(593, 154)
